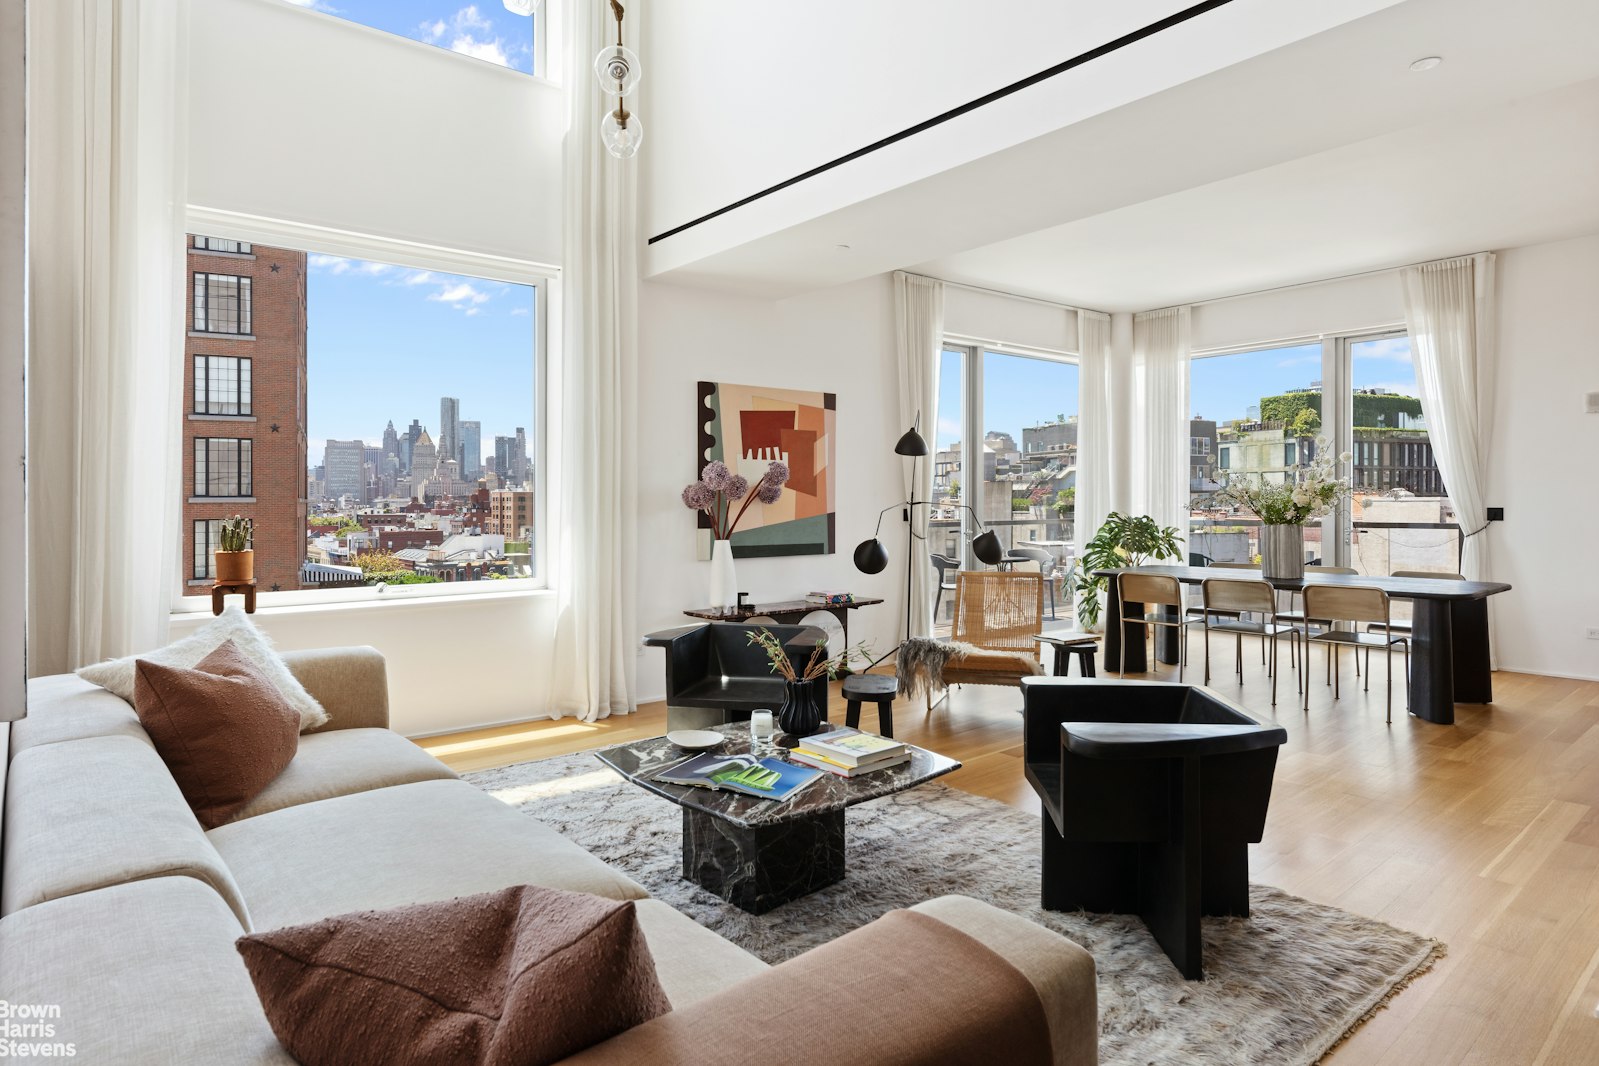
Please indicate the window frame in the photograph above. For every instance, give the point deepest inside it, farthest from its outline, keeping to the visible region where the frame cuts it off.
(244, 312)
(209, 541)
(243, 385)
(243, 469)
(544, 278)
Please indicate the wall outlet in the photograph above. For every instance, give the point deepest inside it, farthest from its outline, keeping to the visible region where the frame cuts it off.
(1593, 632)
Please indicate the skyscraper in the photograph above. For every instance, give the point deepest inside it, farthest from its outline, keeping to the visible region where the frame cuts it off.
(503, 447)
(408, 442)
(471, 450)
(449, 442)
(520, 467)
(424, 466)
(391, 441)
(345, 461)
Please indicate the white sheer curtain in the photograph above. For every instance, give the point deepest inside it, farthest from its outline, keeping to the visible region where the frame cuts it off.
(919, 337)
(1093, 428)
(1449, 308)
(595, 400)
(108, 131)
(1160, 416)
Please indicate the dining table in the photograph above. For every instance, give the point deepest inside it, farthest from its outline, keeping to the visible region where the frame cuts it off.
(1449, 649)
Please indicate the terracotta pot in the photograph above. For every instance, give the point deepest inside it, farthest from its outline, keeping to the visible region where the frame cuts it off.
(234, 568)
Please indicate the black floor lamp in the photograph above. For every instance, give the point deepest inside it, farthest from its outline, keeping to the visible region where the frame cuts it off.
(871, 557)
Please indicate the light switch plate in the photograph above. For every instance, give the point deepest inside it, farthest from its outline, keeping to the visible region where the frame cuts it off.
(1593, 403)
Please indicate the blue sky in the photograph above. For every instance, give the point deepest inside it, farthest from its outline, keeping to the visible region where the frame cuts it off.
(483, 30)
(385, 342)
(1020, 392)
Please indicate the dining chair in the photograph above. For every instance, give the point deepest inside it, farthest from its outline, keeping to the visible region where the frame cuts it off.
(1297, 617)
(1197, 611)
(1403, 625)
(1154, 591)
(945, 566)
(1355, 604)
(1230, 599)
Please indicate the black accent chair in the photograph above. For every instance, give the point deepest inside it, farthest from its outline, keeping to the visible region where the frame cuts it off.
(1152, 793)
(714, 675)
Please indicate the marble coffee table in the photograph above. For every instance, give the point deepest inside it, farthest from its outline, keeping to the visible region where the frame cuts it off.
(755, 853)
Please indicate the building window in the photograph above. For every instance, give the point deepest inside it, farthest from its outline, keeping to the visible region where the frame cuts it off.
(222, 466)
(221, 385)
(221, 244)
(221, 303)
(207, 535)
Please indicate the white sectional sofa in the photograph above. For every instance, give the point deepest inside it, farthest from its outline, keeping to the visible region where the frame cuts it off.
(117, 907)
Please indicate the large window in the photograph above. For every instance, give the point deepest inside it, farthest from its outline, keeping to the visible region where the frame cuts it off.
(222, 466)
(385, 423)
(485, 30)
(221, 385)
(221, 244)
(207, 539)
(1005, 446)
(222, 303)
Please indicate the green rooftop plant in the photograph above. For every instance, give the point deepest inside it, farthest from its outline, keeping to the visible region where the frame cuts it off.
(234, 535)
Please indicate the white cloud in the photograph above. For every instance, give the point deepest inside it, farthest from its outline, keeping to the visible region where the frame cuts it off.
(520, 311)
(469, 18)
(433, 30)
(462, 296)
(419, 277)
(472, 311)
(1396, 349)
(333, 264)
(374, 269)
(490, 51)
(1313, 358)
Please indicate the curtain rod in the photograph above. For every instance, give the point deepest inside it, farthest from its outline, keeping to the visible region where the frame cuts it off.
(1056, 304)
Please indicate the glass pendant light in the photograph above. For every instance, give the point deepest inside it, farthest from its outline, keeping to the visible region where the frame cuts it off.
(621, 132)
(617, 68)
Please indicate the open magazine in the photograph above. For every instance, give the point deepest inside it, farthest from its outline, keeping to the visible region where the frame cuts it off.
(764, 778)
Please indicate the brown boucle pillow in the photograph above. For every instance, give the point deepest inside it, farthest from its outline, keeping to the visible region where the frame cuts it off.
(223, 729)
(522, 976)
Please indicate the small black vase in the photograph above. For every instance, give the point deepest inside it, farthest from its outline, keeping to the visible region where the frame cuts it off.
(801, 713)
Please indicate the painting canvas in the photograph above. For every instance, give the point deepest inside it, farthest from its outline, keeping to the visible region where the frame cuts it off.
(748, 426)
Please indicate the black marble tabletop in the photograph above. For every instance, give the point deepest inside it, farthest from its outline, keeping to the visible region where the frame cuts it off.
(640, 761)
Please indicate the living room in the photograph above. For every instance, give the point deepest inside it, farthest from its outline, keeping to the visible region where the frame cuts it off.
(1012, 291)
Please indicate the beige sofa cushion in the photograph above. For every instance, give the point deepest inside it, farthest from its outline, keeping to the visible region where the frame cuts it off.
(691, 962)
(84, 814)
(66, 707)
(1061, 971)
(408, 844)
(344, 761)
(145, 974)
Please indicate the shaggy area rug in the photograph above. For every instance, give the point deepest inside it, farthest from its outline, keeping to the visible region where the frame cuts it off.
(1282, 986)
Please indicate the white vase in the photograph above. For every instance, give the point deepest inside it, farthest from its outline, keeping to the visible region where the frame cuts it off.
(724, 581)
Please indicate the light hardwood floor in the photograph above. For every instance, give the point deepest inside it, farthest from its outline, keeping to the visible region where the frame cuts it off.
(1484, 835)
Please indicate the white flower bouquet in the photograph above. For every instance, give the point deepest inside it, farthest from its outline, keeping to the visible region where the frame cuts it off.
(1314, 491)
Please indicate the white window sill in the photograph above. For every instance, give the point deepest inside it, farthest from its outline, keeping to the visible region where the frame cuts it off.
(365, 599)
(195, 416)
(220, 255)
(222, 336)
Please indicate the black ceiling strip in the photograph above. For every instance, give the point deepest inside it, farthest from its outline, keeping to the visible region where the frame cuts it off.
(971, 105)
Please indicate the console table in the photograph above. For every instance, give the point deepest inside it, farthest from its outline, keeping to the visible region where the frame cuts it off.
(787, 612)
(1448, 644)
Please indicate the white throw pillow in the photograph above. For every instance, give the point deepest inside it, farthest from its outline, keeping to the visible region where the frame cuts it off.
(116, 675)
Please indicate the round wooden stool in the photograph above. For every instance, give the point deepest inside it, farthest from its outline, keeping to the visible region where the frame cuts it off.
(870, 688)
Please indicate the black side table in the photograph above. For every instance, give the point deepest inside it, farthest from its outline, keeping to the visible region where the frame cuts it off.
(871, 688)
(1083, 645)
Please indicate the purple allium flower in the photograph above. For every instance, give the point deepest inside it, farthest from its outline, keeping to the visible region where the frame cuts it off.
(737, 487)
(777, 473)
(698, 496)
(716, 475)
(768, 492)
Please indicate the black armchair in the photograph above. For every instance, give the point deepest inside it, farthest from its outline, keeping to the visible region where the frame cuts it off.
(714, 675)
(1152, 793)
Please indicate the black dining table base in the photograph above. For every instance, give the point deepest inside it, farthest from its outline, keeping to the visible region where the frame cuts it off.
(1449, 657)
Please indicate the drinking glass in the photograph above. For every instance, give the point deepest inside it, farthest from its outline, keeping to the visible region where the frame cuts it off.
(762, 729)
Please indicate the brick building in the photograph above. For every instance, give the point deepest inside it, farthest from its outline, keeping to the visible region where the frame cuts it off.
(244, 406)
(511, 513)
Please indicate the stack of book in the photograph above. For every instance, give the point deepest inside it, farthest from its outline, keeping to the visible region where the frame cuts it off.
(830, 597)
(849, 752)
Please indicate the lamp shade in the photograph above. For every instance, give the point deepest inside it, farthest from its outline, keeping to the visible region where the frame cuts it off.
(987, 548)
(911, 443)
(870, 556)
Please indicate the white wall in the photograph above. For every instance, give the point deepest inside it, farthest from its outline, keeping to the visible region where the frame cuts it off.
(995, 318)
(453, 662)
(310, 118)
(13, 527)
(1348, 305)
(839, 340)
(1544, 454)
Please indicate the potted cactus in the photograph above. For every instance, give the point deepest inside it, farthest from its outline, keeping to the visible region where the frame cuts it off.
(235, 559)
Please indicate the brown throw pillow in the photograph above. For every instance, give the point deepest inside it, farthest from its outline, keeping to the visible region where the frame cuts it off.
(222, 728)
(522, 976)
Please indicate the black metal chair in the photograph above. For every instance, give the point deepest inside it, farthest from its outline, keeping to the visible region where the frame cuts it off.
(714, 675)
(945, 566)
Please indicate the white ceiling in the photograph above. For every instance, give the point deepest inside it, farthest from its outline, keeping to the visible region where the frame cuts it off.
(1519, 174)
(1325, 157)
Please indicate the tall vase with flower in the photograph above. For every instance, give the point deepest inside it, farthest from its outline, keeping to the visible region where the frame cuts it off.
(1284, 507)
(716, 493)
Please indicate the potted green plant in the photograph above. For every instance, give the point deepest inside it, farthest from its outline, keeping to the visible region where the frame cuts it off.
(234, 559)
(1121, 542)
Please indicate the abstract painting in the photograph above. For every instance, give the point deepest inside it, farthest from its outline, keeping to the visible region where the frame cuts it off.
(747, 426)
